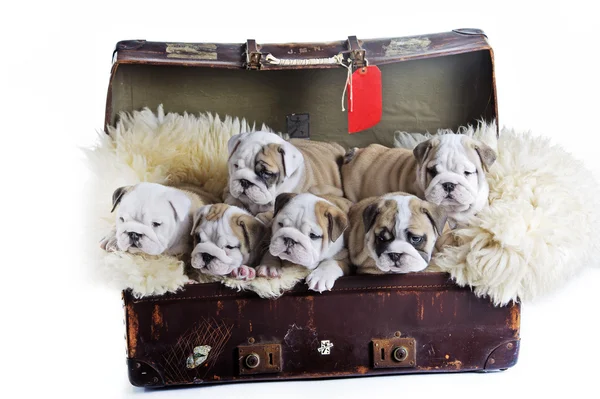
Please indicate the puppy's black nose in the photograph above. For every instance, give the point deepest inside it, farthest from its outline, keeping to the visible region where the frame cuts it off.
(245, 183)
(395, 257)
(288, 241)
(207, 258)
(448, 187)
(134, 236)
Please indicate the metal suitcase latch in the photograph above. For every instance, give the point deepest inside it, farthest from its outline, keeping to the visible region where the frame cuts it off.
(259, 359)
(394, 352)
(357, 53)
(253, 55)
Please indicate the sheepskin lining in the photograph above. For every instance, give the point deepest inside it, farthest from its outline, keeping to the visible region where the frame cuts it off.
(540, 227)
(161, 148)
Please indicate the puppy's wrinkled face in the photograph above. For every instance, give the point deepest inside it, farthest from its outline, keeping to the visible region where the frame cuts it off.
(149, 217)
(306, 229)
(225, 238)
(261, 165)
(451, 173)
(400, 232)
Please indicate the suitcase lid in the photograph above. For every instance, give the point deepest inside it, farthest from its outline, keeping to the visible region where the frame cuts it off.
(442, 80)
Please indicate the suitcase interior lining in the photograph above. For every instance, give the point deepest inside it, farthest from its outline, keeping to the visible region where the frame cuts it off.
(442, 92)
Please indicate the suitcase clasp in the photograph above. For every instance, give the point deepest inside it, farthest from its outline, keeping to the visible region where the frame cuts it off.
(357, 53)
(394, 352)
(253, 55)
(259, 359)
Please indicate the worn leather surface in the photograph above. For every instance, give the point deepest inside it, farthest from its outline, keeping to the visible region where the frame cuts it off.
(453, 329)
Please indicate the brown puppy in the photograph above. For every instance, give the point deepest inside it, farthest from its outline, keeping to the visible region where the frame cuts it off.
(262, 165)
(395, 233)
(227, 241)
(307, 230)
(448, 170)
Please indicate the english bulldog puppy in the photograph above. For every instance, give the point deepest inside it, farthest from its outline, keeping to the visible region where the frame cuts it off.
(154, 219)
(448, 170)
(307, 230)
(262, 165)
(227, 241)
(394, 233)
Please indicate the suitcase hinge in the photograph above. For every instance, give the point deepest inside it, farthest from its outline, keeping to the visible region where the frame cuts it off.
(253, 56)
(357, 53)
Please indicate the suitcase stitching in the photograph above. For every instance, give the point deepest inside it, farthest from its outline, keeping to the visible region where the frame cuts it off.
(338, 289)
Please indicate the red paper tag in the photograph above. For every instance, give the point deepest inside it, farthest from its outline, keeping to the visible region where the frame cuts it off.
(364, 99)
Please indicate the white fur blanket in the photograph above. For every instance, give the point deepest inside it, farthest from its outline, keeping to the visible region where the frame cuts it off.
(540, 226)
(538, 231)
(161, 148)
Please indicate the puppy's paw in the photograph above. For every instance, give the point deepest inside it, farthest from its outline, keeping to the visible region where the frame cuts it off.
(324, 276)
(268, 271)
(109, 243)
(244, 273)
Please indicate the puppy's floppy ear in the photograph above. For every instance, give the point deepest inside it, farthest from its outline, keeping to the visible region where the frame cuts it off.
(234, 142)
(486, 154)
(421, 151)
(436, 216)
(253, 230)
(118, 196)
(199, 217)
(180, 203)
(338, 222)
(281, 200)
(369, 215)
(292, 158)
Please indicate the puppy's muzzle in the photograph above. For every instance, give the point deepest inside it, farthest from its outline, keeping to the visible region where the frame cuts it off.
(245, 184)
(134, 238)
(394, 256)
(448, 187)
(206, 257)
(289, 242)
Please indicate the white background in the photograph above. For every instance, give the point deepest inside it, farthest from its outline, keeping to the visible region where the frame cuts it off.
(62, 335)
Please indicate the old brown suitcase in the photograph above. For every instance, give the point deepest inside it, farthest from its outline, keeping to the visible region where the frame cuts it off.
(367, 325)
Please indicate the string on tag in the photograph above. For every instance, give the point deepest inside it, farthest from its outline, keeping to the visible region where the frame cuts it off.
(348, 82)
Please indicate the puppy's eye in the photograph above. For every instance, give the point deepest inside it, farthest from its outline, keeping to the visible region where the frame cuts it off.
(469, 173)
(235, 165)
(198, 238)
(156, 224)
(231, 247)
(314, 236)
(415, 240)
(121, 220)
(383, 237)
(432, 171)
(280, 224)
(266, 175)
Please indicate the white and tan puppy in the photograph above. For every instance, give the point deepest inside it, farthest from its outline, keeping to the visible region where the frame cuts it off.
(448, 170)
(153, 219)
(308, 230)
(263, 165)
(227, 241)
(395, 233)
